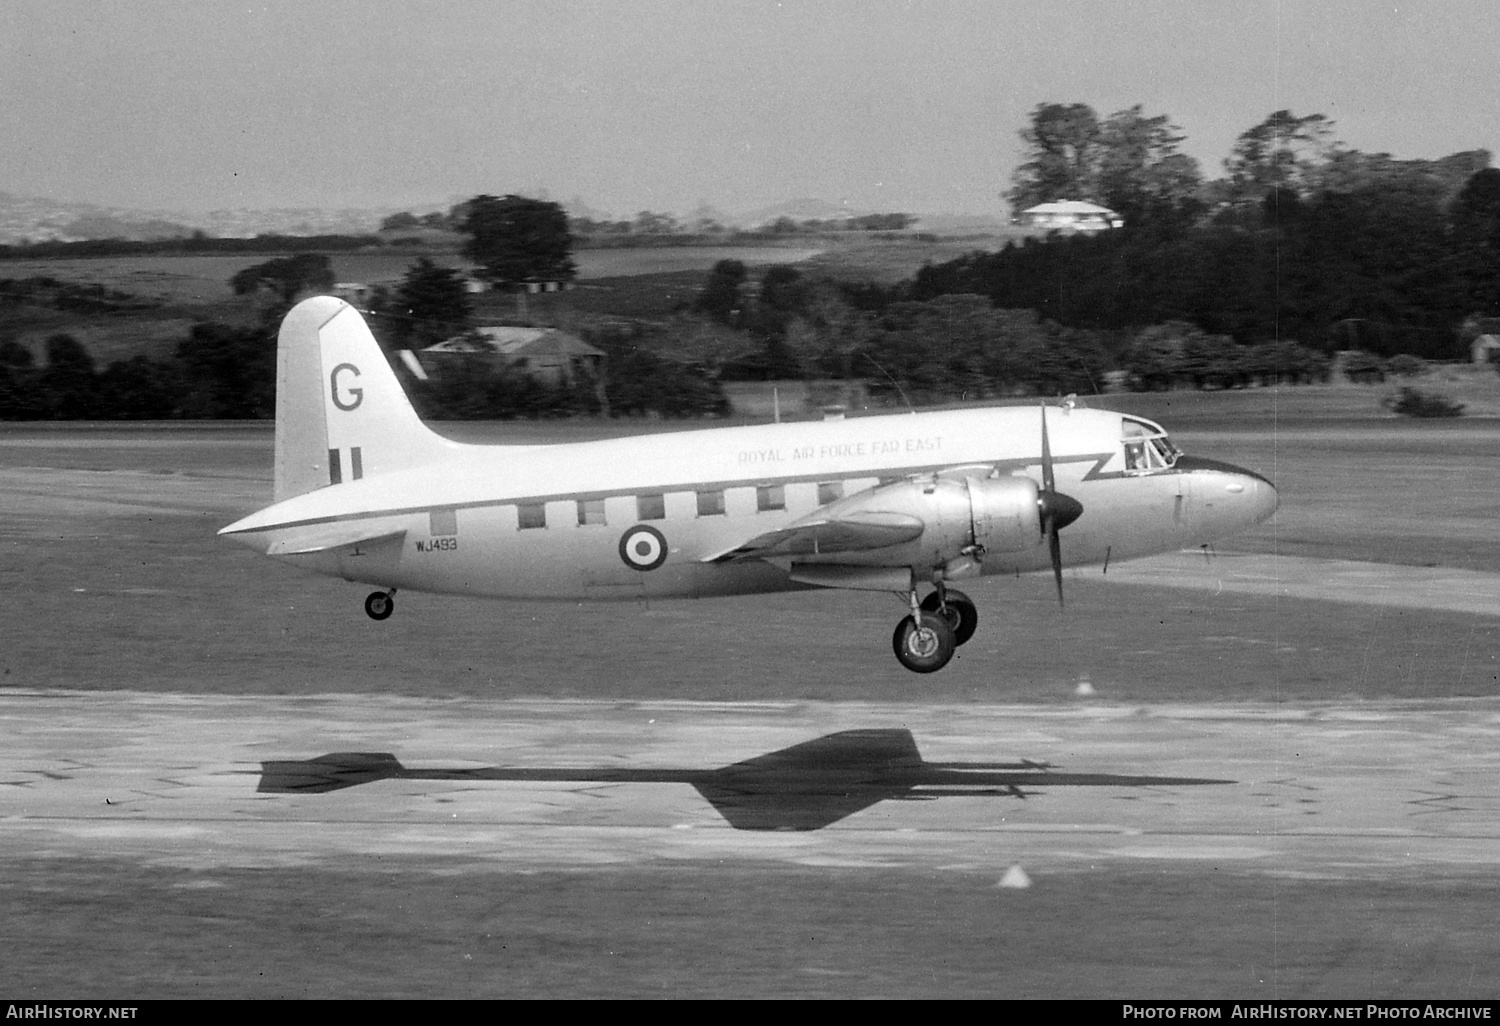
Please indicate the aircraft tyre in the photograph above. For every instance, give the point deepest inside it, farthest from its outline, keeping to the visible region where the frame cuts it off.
(379, 605)
(925, 647)
(962, 615)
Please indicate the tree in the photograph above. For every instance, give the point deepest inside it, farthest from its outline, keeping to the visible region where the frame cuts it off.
(782, 290)
(403, 221)
(1475, 219)
(1476, 210)
(431, 304)
(1127, 161)
(1352, 171)
(1062, 144)
(228, 372)
(15, 355)
(720, 298)
(516, 240)
(1283, 151)
(1141, 174)
(285, 277)
(69, 384)
(648, 222)
(138, 389)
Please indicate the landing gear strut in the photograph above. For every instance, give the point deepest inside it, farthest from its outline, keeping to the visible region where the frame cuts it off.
(923, 642)
(379, 605)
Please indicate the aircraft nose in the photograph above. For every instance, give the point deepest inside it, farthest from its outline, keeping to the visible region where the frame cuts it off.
(1257, 489)
(1254, 492)
(1262, 495)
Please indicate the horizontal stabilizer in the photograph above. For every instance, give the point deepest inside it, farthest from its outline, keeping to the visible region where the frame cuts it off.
(822, 536)
(328, 537)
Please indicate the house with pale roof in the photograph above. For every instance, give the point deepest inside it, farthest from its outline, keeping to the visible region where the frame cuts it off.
(544, 354)
(1070, 216)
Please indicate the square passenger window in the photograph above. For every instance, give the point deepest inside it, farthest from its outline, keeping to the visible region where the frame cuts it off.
(651, 507)
(531, 514)
(711, 504)
(442, 522)
(768, 497)
(590, 511)
(830, 491)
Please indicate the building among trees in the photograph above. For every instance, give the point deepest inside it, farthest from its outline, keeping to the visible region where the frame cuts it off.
(1070, 216)
(542, 354)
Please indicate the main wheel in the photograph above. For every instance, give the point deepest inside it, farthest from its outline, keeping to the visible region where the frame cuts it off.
(379, 605)
(961, 614)
(924, 647)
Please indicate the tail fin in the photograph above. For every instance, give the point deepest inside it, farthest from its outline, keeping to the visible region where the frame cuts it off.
(341, 415)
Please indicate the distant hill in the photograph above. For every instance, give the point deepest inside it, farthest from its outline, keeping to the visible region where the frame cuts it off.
(806, 209)
(37, 219)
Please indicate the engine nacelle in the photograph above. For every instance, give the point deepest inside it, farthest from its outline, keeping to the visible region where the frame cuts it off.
(964, 517)
(1006, 513)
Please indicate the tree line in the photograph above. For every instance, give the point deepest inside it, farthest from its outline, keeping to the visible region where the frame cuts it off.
(1302, 238)
(197, 243)
(1378, 267)
(222, 371)
(645, 224)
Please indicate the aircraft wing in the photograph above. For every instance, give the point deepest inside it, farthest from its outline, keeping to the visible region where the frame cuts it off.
(327, 537)
(822, 534)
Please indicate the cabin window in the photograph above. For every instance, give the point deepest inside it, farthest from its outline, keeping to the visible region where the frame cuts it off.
(590, 511)
(770, 497)
(651, 507)
(531, 514)
(711, 504)
(830, 491)
(442, 522)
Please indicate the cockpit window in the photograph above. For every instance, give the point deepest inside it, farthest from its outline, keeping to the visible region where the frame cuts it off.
(1147, 446)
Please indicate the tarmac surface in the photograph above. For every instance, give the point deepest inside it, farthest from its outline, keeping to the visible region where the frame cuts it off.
(205, 782)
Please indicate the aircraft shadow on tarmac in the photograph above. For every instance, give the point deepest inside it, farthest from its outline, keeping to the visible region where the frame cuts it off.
(804, 787)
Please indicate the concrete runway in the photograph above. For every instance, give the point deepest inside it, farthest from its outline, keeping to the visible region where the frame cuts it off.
(1381, 790)
(1329, 580)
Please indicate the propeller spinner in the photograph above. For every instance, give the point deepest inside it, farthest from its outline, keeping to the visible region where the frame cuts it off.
(1058, 510)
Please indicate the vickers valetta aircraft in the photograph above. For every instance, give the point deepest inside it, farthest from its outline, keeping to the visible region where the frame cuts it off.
(905, 503)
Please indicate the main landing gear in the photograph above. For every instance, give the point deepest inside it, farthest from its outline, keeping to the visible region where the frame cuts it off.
(955, 607)
(379, 605)
(925, 641)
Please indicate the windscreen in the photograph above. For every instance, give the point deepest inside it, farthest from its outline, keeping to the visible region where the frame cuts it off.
(1147, 446)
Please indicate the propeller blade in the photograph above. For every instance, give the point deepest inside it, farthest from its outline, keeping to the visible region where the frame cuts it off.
(1055, 544)
(1048, 484)
(1058, 510)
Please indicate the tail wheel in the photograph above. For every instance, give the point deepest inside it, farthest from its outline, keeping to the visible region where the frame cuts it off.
(924, 647)
(379, 605)
(961, 613)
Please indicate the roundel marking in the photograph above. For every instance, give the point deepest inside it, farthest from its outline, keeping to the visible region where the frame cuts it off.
(643, 548)
(356, 395)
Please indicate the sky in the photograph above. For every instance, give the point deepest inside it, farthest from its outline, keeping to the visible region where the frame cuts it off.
(882, 105)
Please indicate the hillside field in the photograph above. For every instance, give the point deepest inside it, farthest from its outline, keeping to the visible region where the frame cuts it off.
(643, 282)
